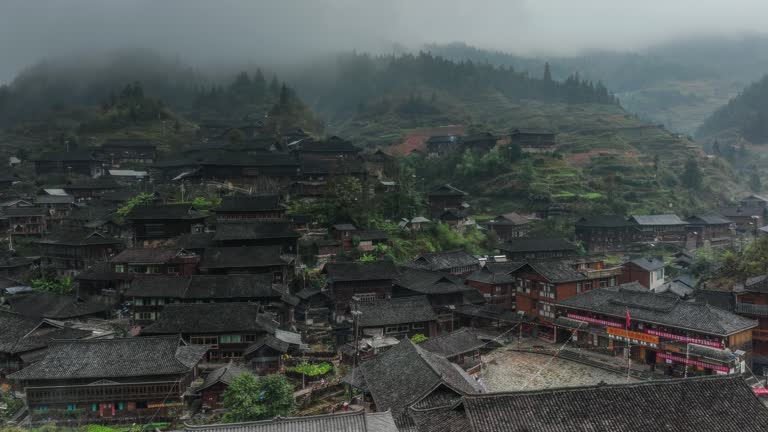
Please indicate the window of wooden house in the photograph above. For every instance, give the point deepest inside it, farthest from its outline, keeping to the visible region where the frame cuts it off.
(119, 268)
(231, 339)
(154, 230)
(204, 340)
(417, 326)
(145, 316)
(367, 297)
(396, 329)
(578, 287)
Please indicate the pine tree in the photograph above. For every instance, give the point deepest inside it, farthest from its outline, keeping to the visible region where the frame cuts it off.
(259, 84)
(716, 149)
(274, 87)
(692, 177)
(547, 73)
(755, 185)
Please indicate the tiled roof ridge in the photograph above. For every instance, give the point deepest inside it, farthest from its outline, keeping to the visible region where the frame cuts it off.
(94, 340)
(650, 383)
(223, 426)
(424, 355)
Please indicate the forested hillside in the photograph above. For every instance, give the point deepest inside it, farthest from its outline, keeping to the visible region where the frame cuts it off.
(606, 158)
(678, 84)
(745, 116)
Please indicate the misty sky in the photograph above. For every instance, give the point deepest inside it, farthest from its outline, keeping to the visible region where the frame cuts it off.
(266, 30)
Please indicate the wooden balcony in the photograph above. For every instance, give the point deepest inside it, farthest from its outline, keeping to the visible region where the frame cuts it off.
(751, 309)
(105, 392)
(604, 273)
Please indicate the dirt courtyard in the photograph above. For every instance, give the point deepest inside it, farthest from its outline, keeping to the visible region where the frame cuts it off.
(511, 370)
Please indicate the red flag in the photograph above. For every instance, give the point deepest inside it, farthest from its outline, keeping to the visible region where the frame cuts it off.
(629, 318)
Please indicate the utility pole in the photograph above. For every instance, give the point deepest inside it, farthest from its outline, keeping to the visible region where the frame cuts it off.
(356, 319)
(687, 358)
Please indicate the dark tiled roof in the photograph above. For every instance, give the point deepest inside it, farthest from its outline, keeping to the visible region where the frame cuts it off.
(438, 261)
(360, 271)
(122, 195)
(229, 231)
(128, 142)
(22, 334)
(663, 219)
(12, 262)
(331, 145)
(245, 286)
(707, 404)
(241, 257)
(556, 271)
(725, 300)
(313, 166)
(605, 221)
(452, 344)
(250, 204)
(708, 219)
(40, 304)
(54, 199)
(186, 318)
(232, 286)
(25, 211)
(158, 286)
(195, 241)
(648, 264)
(78, 238)
(225, 375)
(355, 421)
(452, 214)
(267, 340)
(406, 373)
(428, 282)
(757, 284)
(664, 309)
(164, 212)
(496, 273)
(271, 163)
(84, 155)
(396, 311)
(490, 312)
(101, 183)
(538, 245)
(447, 190)
(145, 256)
(511, 218)
(113, 358)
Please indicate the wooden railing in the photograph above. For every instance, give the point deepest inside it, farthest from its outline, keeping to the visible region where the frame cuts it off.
(597, 274)
(90, 393)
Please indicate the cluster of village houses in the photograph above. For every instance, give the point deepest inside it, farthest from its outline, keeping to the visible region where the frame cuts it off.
(204, 296)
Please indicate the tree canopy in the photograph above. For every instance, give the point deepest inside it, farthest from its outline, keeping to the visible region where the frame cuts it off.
(249, 398)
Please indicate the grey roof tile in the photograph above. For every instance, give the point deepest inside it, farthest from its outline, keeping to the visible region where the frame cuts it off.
(112, 358)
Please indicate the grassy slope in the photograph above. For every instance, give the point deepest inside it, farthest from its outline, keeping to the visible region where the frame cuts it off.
(679, 105)
(596, 141)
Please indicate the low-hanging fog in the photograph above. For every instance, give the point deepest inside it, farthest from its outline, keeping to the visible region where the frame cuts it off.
(282, 30)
